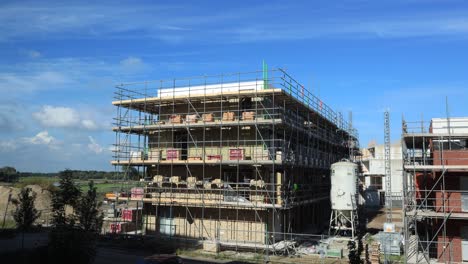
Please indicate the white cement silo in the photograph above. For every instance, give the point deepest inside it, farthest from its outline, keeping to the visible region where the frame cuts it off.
(344, 179)
(343, 185)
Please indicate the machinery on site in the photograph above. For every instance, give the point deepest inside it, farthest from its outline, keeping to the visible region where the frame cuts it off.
(344, 198)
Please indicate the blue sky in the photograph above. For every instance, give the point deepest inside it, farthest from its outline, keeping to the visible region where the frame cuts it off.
(60, 62)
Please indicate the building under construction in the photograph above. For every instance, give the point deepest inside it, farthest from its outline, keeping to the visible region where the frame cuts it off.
(436, 197)
(241, 159)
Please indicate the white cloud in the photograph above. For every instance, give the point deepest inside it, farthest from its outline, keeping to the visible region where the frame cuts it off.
(89, 124)
(132, 64)
(64, 117)
(42, 138)
(131, 61)
(70, 74)
(51, 116)
(93, 146)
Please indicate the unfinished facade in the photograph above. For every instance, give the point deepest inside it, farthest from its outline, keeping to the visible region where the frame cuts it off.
(373, 167)
(436, 196)
(242, 159)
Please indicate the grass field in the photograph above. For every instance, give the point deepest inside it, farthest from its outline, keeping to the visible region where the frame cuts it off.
(44, 182)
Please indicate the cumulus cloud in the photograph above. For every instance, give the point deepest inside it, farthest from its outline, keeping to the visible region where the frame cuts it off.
(41, 138)
(94, 146)
(63, 117)
(51, 116)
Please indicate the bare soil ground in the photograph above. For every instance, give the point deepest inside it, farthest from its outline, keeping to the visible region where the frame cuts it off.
(42, 202)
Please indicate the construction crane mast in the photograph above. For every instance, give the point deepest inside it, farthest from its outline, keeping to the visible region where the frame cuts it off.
(388, 185)
(388, 171)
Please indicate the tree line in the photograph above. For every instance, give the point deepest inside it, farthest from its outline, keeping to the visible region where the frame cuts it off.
(10, 174)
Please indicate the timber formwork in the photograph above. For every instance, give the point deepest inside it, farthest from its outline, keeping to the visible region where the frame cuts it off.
(241, 159)
(435, 205)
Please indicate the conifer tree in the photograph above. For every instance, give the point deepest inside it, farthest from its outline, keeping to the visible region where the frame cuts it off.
(26, 214)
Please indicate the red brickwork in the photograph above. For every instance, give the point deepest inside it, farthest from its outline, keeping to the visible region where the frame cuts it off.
(450, 157)
(451, 253)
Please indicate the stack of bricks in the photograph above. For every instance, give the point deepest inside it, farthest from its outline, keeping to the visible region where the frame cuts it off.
(191, 118)
(248, 115)
(191, 182)
(374, 253)
(175, 119)
(207, 117)
(228, 116)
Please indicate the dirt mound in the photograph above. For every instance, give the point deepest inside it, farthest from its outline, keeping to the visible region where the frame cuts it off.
(42, 203)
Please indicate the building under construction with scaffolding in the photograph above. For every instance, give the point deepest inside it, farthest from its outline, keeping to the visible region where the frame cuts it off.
(436, 190)
(241, 159)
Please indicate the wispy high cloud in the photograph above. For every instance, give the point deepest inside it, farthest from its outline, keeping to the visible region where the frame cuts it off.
(31, 81)
(19, 21)
(132, 64)
(66, 74)
(175, 25)
(94, 146)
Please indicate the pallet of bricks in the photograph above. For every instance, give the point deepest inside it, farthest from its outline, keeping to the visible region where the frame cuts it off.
(175, 119)
(208, 117)
(374, 254)
(228, 116)
(248, 115)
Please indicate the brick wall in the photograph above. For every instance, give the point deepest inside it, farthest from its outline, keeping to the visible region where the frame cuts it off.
(450, 157)
(453, 195)
(451, 252)
(452, 202)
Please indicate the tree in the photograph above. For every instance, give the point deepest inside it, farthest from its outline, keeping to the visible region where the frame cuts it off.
(360, 247)
(353, 256)
(67, 193)
(131, 173)
(8, 174)
(68, 190)
(58, 209)
(70, 241)
(89, 218)
(26, 214)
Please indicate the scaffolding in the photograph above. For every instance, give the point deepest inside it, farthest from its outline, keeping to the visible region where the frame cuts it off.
(240, 159)
(435, 156)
